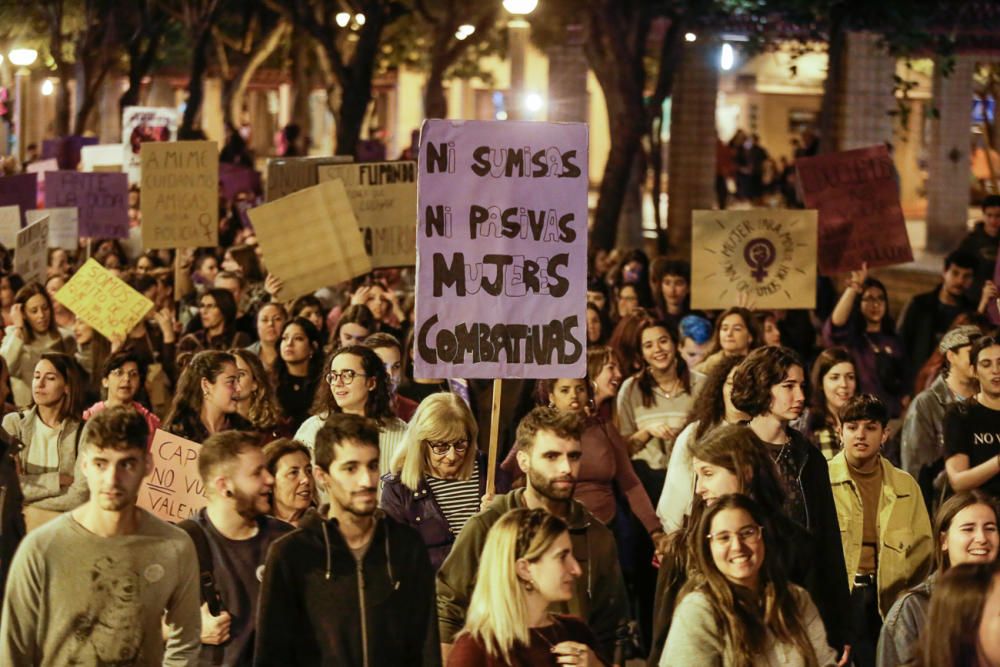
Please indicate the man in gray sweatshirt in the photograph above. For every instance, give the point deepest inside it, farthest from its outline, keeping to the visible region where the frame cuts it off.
(91, 587)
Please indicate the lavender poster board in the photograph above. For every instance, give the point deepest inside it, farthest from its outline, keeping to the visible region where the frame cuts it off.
(234, 179)
(101, 198)
(501, 250)
(20, 190)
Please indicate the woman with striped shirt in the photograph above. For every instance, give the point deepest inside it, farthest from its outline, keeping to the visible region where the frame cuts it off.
(438, 480)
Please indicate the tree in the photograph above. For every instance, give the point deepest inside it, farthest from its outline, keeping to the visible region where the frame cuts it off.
(350, 54)
(199, 18)
(142, 25)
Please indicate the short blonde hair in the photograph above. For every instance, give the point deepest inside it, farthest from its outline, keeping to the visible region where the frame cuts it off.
(441, 416)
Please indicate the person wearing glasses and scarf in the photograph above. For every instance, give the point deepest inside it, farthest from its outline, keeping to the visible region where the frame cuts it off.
(438, 479)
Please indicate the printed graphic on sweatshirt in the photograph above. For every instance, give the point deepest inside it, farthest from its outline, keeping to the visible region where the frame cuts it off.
(109, 631)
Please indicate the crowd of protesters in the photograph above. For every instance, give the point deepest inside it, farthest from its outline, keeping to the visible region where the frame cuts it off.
(735, 488)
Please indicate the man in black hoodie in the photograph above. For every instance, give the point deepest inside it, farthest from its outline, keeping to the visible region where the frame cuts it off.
(351, 587)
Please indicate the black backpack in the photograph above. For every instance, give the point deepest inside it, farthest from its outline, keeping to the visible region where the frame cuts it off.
(206, 579)
(12, 528)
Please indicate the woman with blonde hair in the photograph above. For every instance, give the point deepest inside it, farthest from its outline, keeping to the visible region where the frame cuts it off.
(527, 564)
(255, 397)
(437, 480)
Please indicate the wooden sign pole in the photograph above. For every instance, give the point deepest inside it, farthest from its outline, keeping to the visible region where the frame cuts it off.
(491, 466)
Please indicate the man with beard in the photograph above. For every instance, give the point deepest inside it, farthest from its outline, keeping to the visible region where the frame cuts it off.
(549, 451)
(972, 428)
(237, 532)
(351, 587)
(91, 587)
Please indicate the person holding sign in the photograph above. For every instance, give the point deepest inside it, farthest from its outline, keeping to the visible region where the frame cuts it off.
(863, 325)
(527, 565)
(49, 432)
(357, 384)
(107, 583)
(206, 401)
(351, 586)
(33, 333)
(549, 453)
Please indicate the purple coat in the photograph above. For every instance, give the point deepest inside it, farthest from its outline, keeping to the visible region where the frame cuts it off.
(419, 510)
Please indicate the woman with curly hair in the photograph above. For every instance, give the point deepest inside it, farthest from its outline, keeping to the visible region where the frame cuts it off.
(741, 610)
(206, 401)
(356, 383)
(255, 398)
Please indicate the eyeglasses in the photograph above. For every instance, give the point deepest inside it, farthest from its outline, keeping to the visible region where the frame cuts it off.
(873, 299)
(441, 447)
(120, 373)
(346, 376)
(748, 535)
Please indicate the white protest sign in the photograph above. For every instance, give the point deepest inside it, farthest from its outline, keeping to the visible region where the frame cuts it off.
(64, 229)
(32, 251)
(102, 157)
(501, 250)
(10, 225)
(141, 125)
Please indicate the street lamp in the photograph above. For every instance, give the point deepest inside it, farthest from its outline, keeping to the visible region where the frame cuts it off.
(23, 59)
(517, 34)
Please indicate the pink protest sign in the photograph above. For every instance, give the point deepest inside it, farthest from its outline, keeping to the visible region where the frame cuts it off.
(100, 197)
(501, 250)
(860, 219)
(174, 491)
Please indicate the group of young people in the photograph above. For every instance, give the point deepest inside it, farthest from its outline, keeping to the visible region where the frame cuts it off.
(738, 488)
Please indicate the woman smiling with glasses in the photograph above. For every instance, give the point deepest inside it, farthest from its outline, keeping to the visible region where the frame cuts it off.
(741, 610)
(438, 479)
(356, 383)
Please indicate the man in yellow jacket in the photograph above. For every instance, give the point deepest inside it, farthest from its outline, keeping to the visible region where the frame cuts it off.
(884, 527)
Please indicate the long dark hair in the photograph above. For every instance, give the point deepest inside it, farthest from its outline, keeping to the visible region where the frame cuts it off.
(378, 406)
(315, 372)
(819, 411)
(227, 306)
(264, 413)
(71, 406)
(661, 268)
(856, 321)
(947, 512)
(184, 416)
(745, 617)
(734, 447)
(644, 378)
(709, 407)
(359, 314)
(955, 614)
(22, 297)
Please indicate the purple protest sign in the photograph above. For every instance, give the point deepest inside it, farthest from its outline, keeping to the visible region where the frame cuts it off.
(234, 179)
(66, 149)
(102, 200)
(20, 190)
(501, 250)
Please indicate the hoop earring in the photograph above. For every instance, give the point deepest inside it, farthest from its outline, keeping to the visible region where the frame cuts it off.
(528, 586)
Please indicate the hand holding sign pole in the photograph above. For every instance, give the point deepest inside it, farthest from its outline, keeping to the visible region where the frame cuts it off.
(501, 253)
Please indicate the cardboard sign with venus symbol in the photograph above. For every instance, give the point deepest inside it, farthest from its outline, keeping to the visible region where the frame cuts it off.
(768, 253)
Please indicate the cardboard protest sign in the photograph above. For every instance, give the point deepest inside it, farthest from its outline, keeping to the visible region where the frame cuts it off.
(19, 189)
(102, 300)
(63, 226)
(286, 175)
(860, 219)
(180, 194)
(10, 225)
(768, 253)
(310, 239)
(101, 201)
(141, 125)
(384, 199)
(31, 252)
(235, 180)
(103, 157)
(174, 491)
(501, 250)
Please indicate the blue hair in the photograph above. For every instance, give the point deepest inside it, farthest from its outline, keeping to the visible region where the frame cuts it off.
(696, 328)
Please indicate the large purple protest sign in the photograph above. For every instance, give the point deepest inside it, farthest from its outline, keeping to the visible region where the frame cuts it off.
(20, 190)
(101, 198)
(234, 180)
(501, 250)
(66, 149)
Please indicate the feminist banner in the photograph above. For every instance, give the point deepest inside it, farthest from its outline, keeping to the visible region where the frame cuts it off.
(384, 198)
(174, 491)
(860, 219)
(769, 254)
(100, 199)
(501, 250)
(180, 194)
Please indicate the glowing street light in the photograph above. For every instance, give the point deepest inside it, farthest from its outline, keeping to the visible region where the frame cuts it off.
(517, 37)
(47, 87)
(727, 58)
(359, 19)
(342, 19)
(464, 31)
(690, 36)
(520, 7)
(23, 57)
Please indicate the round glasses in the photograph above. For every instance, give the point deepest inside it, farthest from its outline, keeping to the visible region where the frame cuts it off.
(748, 535)
(347, 377)
(441, 447)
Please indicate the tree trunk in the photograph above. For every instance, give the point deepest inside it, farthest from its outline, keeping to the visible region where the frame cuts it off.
(63, 102)
(140, 62)
(196, 84)
(626, 143)
(435, 102)
(301, 81)
(833, 85)
(350, 116)
(234, 89)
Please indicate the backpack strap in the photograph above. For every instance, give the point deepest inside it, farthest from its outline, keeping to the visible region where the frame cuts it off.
(209, 591)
